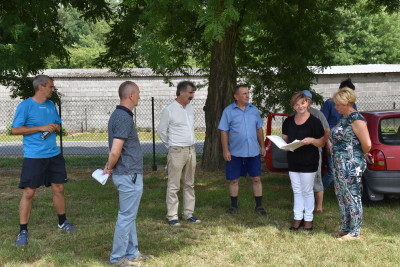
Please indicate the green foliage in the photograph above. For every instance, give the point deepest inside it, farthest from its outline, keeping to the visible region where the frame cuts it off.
(85, 40)
(30, 33)
(63, 131)
(277, 41)
(367, 38)
(9, 129)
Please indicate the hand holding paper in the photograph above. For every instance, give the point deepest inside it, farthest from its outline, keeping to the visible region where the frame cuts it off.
(279, 142)
(99, 176)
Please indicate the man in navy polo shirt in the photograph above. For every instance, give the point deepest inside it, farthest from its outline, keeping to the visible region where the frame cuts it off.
(36, 118)
(242, 142)
(125, 163)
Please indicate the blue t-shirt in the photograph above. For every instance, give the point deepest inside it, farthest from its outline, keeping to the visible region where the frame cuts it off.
(31, 113)
(331, 114)
(242, 127)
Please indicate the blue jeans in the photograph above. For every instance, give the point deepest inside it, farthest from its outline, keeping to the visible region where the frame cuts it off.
(125, 238)
(328, 177)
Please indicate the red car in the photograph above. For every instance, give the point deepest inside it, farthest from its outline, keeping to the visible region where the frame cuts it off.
(382, 178)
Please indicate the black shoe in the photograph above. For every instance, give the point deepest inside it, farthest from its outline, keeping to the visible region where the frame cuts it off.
(297, 228)
(260, 210)
(232, 210)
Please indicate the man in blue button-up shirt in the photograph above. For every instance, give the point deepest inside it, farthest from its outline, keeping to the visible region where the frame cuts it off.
(242, 138)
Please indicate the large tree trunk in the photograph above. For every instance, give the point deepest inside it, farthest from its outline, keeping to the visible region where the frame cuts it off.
(222, 82)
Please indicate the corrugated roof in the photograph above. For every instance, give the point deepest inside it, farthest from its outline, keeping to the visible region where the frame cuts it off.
(100, 73)
(361, 69)
(147, 72)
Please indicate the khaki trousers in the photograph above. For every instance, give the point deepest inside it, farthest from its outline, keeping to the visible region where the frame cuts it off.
(181, 165)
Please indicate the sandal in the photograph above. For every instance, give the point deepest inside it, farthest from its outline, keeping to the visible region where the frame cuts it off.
(348, 238)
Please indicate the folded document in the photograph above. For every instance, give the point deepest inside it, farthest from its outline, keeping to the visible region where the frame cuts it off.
(279, 142)
(99, 176)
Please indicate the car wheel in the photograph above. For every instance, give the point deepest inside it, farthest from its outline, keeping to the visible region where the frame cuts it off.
(366, 201)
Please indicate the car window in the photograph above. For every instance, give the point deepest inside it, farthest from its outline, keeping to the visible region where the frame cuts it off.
(389, 131)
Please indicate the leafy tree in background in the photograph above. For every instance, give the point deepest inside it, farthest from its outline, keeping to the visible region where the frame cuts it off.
(268, 44)
(30, 32)
(367, 37)
(85, 40)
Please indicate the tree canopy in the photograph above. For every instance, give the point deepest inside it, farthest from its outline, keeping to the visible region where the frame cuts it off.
(367, 36)
(30, 33)
(267, 44)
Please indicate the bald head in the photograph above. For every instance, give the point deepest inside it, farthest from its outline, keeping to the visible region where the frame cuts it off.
(126, 88)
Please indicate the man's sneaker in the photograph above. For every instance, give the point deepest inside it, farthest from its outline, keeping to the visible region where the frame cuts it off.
(174, 223)
(66, 226)
(124, 262)
(193, 220)
(22, 239)
(260, 210)
(142, 257)
(232, 210)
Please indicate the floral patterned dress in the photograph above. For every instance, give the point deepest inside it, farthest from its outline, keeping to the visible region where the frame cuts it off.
(348, 166)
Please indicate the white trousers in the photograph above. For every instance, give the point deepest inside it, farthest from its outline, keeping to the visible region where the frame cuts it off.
(302, 185)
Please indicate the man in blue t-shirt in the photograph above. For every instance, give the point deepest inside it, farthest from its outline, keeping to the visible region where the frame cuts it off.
(36, 118)
(242, 141)
(333, 116)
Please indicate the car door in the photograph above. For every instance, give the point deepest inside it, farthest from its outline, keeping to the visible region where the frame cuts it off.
(275, 158)
(389, 137)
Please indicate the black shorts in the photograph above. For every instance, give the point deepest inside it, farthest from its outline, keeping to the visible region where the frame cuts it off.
(38, 172)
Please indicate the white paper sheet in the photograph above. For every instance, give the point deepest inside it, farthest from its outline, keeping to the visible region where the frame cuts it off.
(279, 142)
(99, 176)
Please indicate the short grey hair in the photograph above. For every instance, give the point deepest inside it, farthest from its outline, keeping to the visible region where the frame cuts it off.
(40, 80)
(125, 88)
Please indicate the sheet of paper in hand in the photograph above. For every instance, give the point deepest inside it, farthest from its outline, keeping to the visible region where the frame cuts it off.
(99, 176)
(279, 142)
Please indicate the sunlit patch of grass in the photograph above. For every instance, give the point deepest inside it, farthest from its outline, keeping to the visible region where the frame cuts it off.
(242, 239)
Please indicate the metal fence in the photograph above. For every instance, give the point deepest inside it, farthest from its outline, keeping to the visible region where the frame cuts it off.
(85, 126)
(85, 123)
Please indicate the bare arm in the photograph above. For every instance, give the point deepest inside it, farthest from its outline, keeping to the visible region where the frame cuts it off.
(361, 131)
(320, 142)
(260, 139)
(285, 137)
(225, 147)
(24, 130)
(114, 155)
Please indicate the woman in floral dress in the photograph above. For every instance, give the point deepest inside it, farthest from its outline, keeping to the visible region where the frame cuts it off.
(350, 150)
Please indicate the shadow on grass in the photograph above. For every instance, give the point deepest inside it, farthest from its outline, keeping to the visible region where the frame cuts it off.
(93, 209)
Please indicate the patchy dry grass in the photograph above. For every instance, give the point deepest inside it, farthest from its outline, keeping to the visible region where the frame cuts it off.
(244, 239)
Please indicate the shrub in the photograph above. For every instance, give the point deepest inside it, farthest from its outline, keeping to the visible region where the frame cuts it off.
(64, 132)
(8, 129)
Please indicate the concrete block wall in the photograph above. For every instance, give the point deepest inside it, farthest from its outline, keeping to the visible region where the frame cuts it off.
(90, 95)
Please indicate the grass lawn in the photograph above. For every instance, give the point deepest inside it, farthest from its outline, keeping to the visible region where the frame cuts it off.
(94, 136)
(243, 239)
